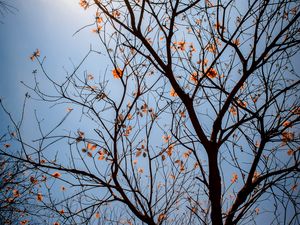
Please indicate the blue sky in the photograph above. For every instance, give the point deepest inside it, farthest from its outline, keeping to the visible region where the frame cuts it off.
(48, 26)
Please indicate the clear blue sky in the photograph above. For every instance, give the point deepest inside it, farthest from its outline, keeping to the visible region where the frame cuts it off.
(43, 24)
(48, 26)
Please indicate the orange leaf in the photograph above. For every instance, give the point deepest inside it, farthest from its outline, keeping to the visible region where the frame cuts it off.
(16, 193)
(138, 153)
(56, 175)
(7, 145)
(101, 157)
(234, 178)
(92, 147)
(24, 222)
(97, 215)
(161, 217)
(173, 92)
(117, 73)
(290, 152)
(39, 197)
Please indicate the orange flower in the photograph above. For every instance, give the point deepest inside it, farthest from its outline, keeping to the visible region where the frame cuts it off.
(233, 110)
(16, 193)
(242, 103)
(33, 180)
(236, 42)
(127, 131)
(6, 145)
(24, 222)
(97, 215)
(211, 48)
(39, 197)
(198, 21)
(170, 150)
(286, 124)
(182, 168)
(234, 178)
(182, 114)
(180, 45)
(101, 156)
(97, 30)
(35, 54)
(219, 26)
(172, 176)
(117, 73)
(84, 4)
(287, 136)
(138, 153)
(194, 77)
(56, 175)
(129, 116)
(166, 138)
(187, 154)
(69, 109)
(116, 13)
(90, 77)
(161, 217)
(255, 98)
(80, 136)
(173, 92)
(92, 147)
(192, 48)
(211, 73)
(290, 152)
(99, 19)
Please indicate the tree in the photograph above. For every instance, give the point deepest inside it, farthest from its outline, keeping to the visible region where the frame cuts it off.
(14, 201)
(199, 109)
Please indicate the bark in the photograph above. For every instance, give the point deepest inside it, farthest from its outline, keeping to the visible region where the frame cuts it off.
(214, 188)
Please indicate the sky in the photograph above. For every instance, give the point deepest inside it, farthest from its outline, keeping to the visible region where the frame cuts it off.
(48, 26)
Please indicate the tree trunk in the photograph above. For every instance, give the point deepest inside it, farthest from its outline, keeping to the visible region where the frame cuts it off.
(214, 188)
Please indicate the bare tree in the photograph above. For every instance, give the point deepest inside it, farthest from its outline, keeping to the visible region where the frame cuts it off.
(15, 200)
(196, 121)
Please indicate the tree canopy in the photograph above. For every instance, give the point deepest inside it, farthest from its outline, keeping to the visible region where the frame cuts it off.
(194, 121)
